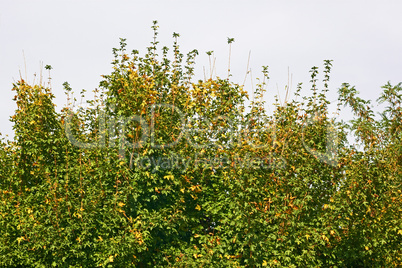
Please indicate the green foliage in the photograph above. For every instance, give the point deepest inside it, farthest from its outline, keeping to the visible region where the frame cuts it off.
(160, 171)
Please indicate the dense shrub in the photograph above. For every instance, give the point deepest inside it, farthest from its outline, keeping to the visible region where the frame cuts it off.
(160, 170)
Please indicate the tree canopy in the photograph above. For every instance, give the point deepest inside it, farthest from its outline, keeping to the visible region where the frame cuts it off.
(161, 170)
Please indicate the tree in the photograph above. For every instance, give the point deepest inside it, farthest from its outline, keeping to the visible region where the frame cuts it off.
(161, 170)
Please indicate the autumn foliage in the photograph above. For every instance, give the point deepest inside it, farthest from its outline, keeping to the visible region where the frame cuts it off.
(161, 170)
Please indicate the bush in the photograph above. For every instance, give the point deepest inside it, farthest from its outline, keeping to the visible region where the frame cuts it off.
(160, 170)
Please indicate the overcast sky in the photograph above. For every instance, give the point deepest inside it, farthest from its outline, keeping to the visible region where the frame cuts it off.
(364, 38)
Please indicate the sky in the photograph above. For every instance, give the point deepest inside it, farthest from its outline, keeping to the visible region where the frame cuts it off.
(363, 38)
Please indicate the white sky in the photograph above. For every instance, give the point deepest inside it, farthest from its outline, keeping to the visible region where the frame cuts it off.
(364, 38)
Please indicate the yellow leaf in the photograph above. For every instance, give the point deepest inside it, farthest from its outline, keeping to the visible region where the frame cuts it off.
(182, 190)
(19, 239)
(169, 177)
(110, 258)
(198, 207)
(400, 232)
(325, 238)
(277, 143)
(120, 204)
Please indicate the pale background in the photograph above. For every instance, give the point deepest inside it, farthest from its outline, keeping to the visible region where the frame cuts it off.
(364, 38)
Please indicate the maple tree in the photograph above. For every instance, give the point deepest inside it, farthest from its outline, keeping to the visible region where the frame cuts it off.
(160, 171)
